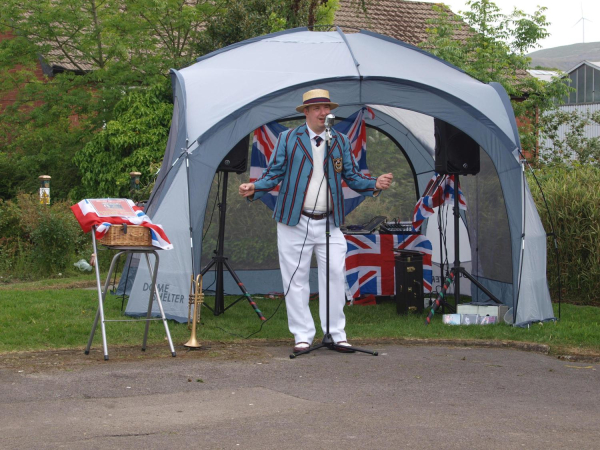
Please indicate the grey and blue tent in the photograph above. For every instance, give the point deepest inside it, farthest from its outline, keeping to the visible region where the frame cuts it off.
(227, 94)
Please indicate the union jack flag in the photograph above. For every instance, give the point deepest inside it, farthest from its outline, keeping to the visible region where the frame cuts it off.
(370, 263)
(439, 190)
(265, 138)
(449, 194)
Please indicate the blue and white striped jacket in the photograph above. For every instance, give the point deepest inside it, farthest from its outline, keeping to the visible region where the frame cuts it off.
(291, 165)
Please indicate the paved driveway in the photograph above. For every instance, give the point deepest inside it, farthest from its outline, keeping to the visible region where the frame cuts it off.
(255, 397)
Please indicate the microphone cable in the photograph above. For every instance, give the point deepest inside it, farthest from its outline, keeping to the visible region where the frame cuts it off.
(291, 278)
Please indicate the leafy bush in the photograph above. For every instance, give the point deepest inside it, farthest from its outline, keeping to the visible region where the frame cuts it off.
(574, 204)
(38, 240)
(568, 140)
(54, 239)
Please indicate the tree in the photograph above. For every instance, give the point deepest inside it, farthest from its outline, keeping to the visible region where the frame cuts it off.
(112, 49)
(495, 51)
(574, 147)
(39, 131)
(134, 140)
(108, 47)
(136, 137)
(244, 19)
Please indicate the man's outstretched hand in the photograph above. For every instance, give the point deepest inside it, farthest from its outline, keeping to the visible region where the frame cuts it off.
(384, 181)
(246, 189)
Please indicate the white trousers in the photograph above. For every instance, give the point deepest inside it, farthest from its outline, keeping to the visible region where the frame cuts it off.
(290, 244)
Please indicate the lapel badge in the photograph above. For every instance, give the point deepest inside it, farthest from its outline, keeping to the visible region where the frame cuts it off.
(337, 164)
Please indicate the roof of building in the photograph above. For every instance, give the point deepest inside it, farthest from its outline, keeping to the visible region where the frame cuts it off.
(593, 64)
(56, 61)
(403, 20)
(544, 75)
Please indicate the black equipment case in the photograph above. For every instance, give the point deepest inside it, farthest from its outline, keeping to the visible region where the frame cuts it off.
(409, 281)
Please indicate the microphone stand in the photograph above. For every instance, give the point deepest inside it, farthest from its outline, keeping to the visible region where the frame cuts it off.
(327, 341)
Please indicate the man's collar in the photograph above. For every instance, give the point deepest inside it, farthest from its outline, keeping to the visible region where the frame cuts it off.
(312, 134)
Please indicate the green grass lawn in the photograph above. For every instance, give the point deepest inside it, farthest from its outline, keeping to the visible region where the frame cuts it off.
(57, 318)
(81, 279)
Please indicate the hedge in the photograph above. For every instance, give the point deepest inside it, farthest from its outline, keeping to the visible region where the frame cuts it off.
(573, 199)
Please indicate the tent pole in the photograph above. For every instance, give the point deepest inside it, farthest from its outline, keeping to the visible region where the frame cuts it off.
(187, 171)
(521, 256)
(219, 294)
(553, 234)
(442, 265)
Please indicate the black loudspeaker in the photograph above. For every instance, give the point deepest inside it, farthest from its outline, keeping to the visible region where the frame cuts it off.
(409, 282)
(237, 159)
(455, 151)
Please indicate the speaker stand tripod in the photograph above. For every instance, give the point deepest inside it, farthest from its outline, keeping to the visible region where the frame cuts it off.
(457, 270)
(327, 341)
(220, 262)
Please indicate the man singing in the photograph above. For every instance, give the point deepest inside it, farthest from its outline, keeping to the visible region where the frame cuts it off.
(298, 164)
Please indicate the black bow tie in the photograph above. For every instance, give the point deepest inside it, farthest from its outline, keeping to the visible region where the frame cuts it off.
(318, 140)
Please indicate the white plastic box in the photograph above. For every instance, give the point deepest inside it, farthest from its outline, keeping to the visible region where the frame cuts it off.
(492, 310)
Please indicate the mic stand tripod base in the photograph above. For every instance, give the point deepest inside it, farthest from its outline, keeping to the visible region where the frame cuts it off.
(327, 342)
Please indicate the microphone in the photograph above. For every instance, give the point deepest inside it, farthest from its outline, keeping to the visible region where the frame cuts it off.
(329, 120)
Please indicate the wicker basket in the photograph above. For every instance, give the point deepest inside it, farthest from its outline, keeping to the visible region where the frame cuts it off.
(129, 236)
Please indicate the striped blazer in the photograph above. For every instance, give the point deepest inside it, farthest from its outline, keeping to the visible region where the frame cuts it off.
(291, 165)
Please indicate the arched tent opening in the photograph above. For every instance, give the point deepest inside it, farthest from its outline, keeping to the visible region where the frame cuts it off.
(229, 93)
(250, 237)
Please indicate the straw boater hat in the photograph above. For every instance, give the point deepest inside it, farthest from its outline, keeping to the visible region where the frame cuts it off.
(316, 97)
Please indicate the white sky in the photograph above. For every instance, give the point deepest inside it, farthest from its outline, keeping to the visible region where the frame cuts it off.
(562, 15)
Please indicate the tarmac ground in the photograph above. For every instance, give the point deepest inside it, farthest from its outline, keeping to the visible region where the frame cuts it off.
(253, 396)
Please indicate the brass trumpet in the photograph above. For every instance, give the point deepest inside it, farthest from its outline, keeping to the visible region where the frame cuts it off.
(196, 300)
